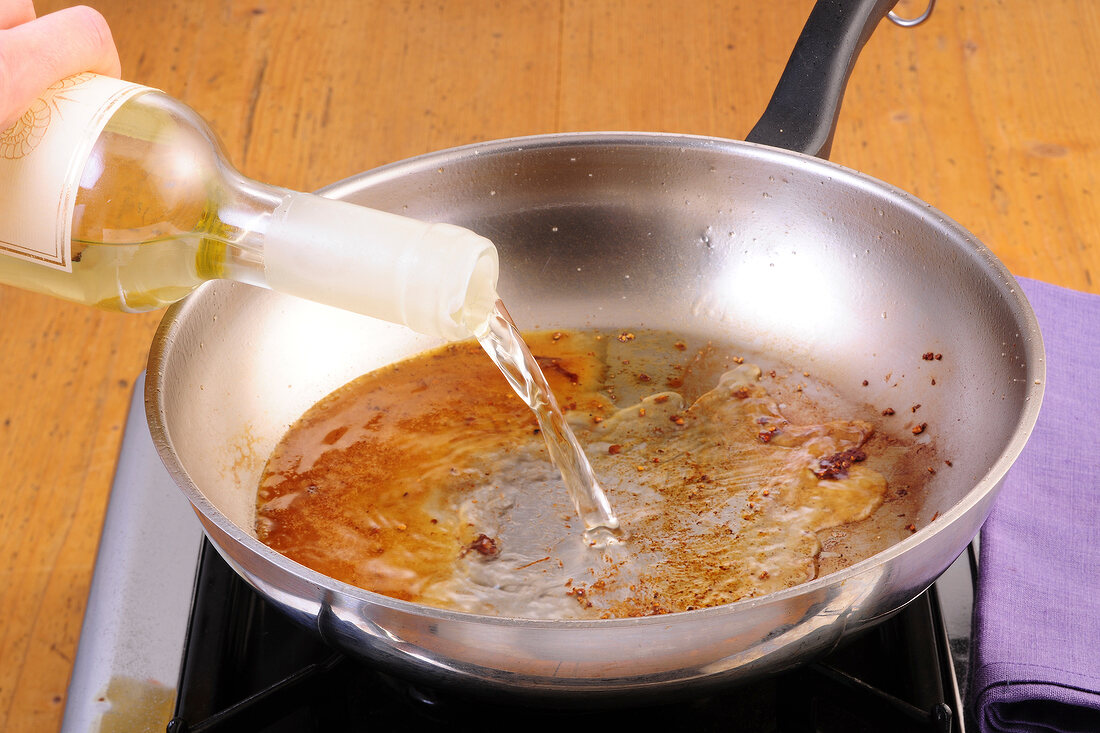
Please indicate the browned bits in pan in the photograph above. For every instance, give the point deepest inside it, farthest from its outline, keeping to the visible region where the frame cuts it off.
(738, 360)
(888, 412)
(685, 482)
(580, 594)
(334, 435)
(680, 345)
(915, 407)
(837, 465)
(928, 356)
(625, 336)
(553, 364)
(918, 429)
(865, 383)
(484, 545)
(911, 527)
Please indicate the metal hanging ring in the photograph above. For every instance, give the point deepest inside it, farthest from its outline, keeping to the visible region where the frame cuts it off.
(912, 22)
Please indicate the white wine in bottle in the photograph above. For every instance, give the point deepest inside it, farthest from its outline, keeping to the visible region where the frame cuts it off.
(119, 196)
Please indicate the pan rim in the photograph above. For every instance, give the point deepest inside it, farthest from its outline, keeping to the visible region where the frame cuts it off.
(989, 482)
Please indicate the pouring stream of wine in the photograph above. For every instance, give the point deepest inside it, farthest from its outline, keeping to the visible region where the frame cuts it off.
(504, 345)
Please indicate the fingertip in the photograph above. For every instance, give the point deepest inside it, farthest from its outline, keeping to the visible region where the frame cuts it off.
(15, 12)
(90, 26)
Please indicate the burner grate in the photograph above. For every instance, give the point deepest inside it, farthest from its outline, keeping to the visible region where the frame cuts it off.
(249, 669)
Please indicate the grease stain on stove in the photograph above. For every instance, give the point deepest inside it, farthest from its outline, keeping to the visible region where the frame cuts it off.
(136, 706)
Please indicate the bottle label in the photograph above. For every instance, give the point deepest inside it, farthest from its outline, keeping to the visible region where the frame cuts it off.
(42, 158)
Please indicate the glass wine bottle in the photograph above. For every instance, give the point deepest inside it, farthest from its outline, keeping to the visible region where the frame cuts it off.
(119, 196)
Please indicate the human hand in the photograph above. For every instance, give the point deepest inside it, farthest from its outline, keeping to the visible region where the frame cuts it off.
(36, 52)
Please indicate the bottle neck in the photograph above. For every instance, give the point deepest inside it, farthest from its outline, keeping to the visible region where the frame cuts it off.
(232, 244)
(435, 278)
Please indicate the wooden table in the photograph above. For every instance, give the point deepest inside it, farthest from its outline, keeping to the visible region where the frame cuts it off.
(989, 111)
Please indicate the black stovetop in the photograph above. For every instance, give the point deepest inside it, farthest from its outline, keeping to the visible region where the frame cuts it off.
(249, 669)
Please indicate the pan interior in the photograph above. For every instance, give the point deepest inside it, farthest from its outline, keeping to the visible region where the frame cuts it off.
(813, 265)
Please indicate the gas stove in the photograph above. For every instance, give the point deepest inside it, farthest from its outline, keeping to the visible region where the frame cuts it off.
(173, 640)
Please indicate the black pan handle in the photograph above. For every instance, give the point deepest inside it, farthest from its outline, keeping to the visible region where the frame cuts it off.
(803, 111)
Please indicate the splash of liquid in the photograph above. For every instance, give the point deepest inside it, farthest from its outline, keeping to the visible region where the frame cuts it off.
(505, 346)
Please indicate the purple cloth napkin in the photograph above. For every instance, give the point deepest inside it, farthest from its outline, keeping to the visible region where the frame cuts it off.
(1035, 663)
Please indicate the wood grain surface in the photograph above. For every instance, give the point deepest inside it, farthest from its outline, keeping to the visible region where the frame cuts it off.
(988, 111)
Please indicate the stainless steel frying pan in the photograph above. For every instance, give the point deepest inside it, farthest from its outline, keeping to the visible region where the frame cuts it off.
(777, 250)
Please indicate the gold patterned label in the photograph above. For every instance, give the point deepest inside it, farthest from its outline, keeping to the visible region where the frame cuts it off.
(42, 157)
